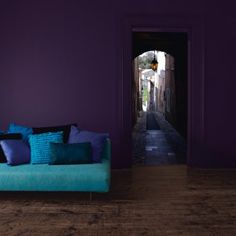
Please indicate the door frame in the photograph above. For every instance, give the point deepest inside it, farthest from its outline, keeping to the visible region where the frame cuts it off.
(194, 27)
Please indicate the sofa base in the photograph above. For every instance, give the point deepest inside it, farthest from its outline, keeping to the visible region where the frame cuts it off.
(42, 177)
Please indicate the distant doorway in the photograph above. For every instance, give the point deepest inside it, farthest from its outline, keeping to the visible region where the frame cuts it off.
(160, 98)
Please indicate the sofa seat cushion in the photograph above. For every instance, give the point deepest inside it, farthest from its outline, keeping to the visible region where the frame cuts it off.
(44, 177)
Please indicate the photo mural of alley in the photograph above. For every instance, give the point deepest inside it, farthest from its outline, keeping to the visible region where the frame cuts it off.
(157, 137)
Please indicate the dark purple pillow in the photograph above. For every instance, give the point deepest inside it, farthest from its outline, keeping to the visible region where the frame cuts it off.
(97, 141)
(16, 151)
(64, 128)
(7, 137)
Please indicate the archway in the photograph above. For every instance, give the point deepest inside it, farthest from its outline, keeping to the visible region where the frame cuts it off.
(157, 112)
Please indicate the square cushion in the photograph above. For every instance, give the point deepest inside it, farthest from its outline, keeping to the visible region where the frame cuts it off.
(64, 128)
(7, 137)
(25, 131)
(76, 153)
(16, 151)
(40, 144)
(97, 141)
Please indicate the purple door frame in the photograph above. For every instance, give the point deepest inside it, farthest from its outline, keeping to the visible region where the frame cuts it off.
(194, 27)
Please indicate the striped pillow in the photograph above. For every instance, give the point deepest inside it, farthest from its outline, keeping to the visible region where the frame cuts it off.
(40, 146)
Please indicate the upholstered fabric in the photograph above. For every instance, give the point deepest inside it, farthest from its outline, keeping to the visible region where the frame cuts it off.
(25, 131)
(40, 144)
(7, 137)
(42, 177)
(97, 141)
(16, 151)
(75, 153)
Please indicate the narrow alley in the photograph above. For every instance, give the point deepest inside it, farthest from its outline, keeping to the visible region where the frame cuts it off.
(156, 142)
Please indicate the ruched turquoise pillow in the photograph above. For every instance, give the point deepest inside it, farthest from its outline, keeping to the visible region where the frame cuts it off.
(40, 146)
(75, 153)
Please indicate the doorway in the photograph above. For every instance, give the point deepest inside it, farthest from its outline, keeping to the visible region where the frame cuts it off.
(194, 27)
(160, 98)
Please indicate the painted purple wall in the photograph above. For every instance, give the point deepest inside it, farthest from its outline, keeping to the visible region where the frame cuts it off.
(61, 62)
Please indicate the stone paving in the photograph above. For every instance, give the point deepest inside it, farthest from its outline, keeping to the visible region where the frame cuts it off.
(158, 150)
(176, 141)
(157, 147)
(139, 140)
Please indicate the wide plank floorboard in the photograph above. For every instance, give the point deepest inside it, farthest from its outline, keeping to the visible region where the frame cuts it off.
(145, 200)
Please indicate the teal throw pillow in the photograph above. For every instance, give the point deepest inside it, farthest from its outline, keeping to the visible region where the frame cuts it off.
(76, 153)
(25, 131)
(40, 146)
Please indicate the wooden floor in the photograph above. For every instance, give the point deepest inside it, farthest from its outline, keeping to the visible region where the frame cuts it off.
(151, 200)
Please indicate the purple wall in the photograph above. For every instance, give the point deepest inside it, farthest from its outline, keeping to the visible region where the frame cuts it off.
(61, 62)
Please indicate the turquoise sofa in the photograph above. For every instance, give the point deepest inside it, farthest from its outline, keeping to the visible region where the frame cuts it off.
(43, 177)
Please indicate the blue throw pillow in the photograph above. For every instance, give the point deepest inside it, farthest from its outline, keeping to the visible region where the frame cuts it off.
(6, 137)
(25, 131)
(75, 153)
(97, 141)
(40, 146)
(16, 151)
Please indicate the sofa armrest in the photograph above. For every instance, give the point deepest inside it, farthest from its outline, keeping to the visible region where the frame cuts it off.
(106, 154)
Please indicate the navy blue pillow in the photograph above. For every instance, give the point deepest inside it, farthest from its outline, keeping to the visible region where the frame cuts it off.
(97, 141)
(16, 151)
(7, 137)
(76, 153)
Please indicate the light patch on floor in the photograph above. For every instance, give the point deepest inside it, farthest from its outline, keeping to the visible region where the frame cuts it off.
(150, 148)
